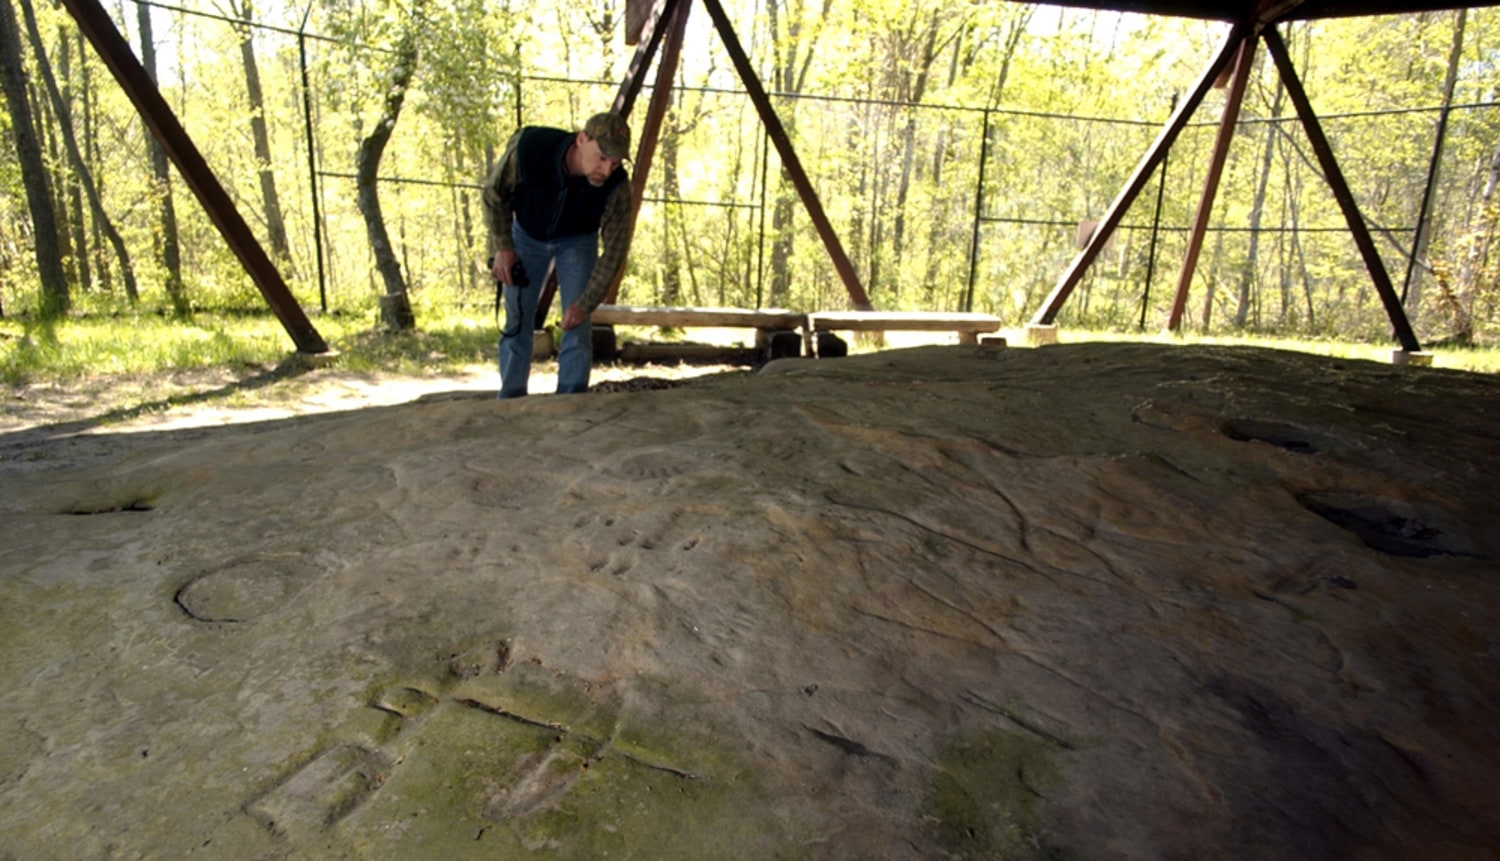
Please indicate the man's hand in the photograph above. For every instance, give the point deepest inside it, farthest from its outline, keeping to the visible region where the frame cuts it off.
(501, 265)
(574, 316)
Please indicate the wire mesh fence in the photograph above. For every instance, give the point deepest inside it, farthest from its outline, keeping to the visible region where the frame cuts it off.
(940, 206)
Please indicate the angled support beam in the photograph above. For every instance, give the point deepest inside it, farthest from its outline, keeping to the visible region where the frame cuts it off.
(656, 113)
(661, 97)
(789, 160)
(1154, 156)
(667, 23)
(116, 53)
(651, 38)
(645, 51)
(1341, 192)
(1225, 137)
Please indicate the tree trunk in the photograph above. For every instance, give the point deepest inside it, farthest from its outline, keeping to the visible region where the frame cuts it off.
(90, 146)
(70, 142)
(98, 262)
(1481, 236)
(395, 305)
(167, 246)
(271, 202)
(789, 77)
(671, 271)
(1413, 298)
(463, 270)
(62, 182)
(1215, 265)
(54, 283)
(1257, 208)
(909, 152)
(76, 232)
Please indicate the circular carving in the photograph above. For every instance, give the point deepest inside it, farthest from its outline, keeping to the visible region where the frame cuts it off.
(243, 590)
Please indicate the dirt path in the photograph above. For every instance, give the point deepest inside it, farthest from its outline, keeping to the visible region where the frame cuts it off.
(187, 399)
(211, 397)
(52, 425)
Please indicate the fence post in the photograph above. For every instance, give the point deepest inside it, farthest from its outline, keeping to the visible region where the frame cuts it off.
(984, 156)
(312, 160)
(1161, 188)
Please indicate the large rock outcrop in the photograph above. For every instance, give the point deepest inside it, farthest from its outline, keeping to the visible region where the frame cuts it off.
(1091, 601)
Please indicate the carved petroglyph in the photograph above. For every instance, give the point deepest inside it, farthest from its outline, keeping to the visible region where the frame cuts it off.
(1393, 526)
(245, 589)
(327, 788)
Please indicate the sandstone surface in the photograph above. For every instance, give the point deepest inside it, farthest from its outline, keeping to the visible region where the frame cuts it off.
(1081, 601)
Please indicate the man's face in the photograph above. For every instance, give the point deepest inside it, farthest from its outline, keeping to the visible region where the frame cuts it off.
(596, 165)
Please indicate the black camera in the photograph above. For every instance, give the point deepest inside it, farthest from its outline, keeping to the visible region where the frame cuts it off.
(517, 273)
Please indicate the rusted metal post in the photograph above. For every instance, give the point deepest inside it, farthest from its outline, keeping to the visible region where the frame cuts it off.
(656, 112)
(1341, 192)
(1137, 181)
(316, 194)
(651, 39)
(1225, 137)
(116, 53)
(789, 160)
(984, 158)
(661, 97)
(1161, 191)
(645, 50)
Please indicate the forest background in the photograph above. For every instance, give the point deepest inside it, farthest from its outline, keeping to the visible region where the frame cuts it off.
(959, 148)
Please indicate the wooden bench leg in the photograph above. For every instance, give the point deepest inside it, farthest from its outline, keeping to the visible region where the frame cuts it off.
(606, 349)
(831, 346)
(778, 343)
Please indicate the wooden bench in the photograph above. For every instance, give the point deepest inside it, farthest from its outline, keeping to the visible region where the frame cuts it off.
(778, 332)
(707, 318)
(969, 326)
(782, 334)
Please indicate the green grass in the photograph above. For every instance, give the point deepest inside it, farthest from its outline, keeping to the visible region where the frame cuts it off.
(447, 342)
(1483, 359)
(144, 344)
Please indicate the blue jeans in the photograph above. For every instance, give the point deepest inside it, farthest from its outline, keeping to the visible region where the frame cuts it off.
(575, 256)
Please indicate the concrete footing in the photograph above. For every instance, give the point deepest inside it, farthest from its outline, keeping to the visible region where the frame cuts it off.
(1040, 335)
(1421, 359)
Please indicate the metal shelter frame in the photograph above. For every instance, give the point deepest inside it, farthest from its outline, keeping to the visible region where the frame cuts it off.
(662, 30)
(1238, 49)
(102, 33)
(1254, 21)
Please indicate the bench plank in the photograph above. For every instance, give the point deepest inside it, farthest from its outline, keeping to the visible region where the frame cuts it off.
(911, 321)
(727, 318)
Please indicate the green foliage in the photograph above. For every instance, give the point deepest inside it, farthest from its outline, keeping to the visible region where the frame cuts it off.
(135, 344)
(450, 341)
(153, 343)
(1075, 97)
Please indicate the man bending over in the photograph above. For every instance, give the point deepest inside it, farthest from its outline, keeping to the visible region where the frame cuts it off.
(554, 197)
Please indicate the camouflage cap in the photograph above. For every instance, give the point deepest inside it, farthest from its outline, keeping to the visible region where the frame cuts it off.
(612, 133)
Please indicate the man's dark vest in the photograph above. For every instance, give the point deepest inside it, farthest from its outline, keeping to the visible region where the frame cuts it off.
(549, 203)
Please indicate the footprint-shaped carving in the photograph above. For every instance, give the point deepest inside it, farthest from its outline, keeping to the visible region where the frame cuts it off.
(1295, 439)
(1394, 526)
(325, 790)
(486, 657)
(544, 778)
(652, 465)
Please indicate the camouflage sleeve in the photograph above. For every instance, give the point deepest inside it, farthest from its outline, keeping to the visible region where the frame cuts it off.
(615, 233)
(499, 192)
